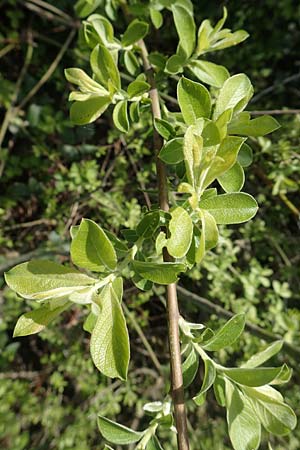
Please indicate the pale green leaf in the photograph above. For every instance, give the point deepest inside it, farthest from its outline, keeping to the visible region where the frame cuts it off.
(219, 390)
(84, 8)
(233, 179)
(43, 280)
(253, 377)
(84, 112)
(35, 321)
(193, 152)
(137, 88)
(91, 248)
(256, 127)
(181, 229)
(172, 151)
(209, 73)
(231, 208)
(263, 356)
(234, 94)
(245, 155)
(276, 417)
(116, 433)
(154, 444)
(227, 334)
(85, 83)
(190, 368)
(109, 341)
(185, 26)
(209, 230)
(175, 64)
(208, 380)
(103, 28)
(243, 425)
(104, 67)
(230, 40)
(156, 18)
(135, 31)
(131, 62)
(161, 273)
(120, 116)
(194, 100)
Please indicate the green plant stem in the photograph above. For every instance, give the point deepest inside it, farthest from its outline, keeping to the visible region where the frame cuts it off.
(172, 302)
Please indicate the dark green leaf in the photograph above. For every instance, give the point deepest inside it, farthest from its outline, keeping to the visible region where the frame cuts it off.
(87, 111)
(161, 273)
(120, 116)
(164, 128)
(245, 155)
(190, 368)
(172, 151)
(136, 30)
(208, 380)
(253, 377)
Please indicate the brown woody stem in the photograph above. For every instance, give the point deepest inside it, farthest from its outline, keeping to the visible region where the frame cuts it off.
(172, 303)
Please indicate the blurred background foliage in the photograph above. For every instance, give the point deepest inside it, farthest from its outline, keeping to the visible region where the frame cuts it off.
(52, 174)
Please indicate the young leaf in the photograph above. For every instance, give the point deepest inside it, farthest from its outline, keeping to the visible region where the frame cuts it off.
(90, 322)
(91, 249)
(131, 62)
(42, 280)
(154, 444)
(116, 433)
(257, 127)
(264, 355)
(243, 425)
(185, 26)
(210, 231)
(84, 82)
(235, 93)
(208, 380)
(89, 110)
(136, 30)
(36, 320)
(104, 67)
(164, 128)
(233, 179)
(109, 341)
(219, 391)
(245, 155)
(102, 27)
(161, 273)
(194, 100)
(253, 377)
(84, 8)
(209, 73)
(181, 229)
(120, 116)
(137, 88)
(276, 417)
(192, 152)
(172, 151)
(227, 334)
(148, 225)
(156, 18)
(231, 208)
(190, 368)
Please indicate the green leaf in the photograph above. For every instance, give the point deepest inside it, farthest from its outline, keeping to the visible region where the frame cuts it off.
(172, 151)
(109, 341)
(90, 322)
(224, 159)
(185, 26)
(135, 31)
(148, 225)
(208, 380)
(211, 134)
(234, 94)
(256, 127)
(117, 433)
(104, 67)
(245, 155)
(137, 88)
(161, 273)
(253, 377)
(230, 208)
(134, 111)
(154, 444)
(120, 116)
(194, 100)
(156, 18)
(264, 355)
(36, 320)
(175, 64)
(87, 111)
(209, 230)
(102, 27)
(219, 391)
(233, 179)
(230, 40)
(227, 334)
(42, 280)
(193, 152)
(243, 425)
(181, 229)
(164, 128)
(84, 8)
(85, 83)
(91, 248)
(276, 417)
(190, 368)
(131, 62)
(209, 73)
